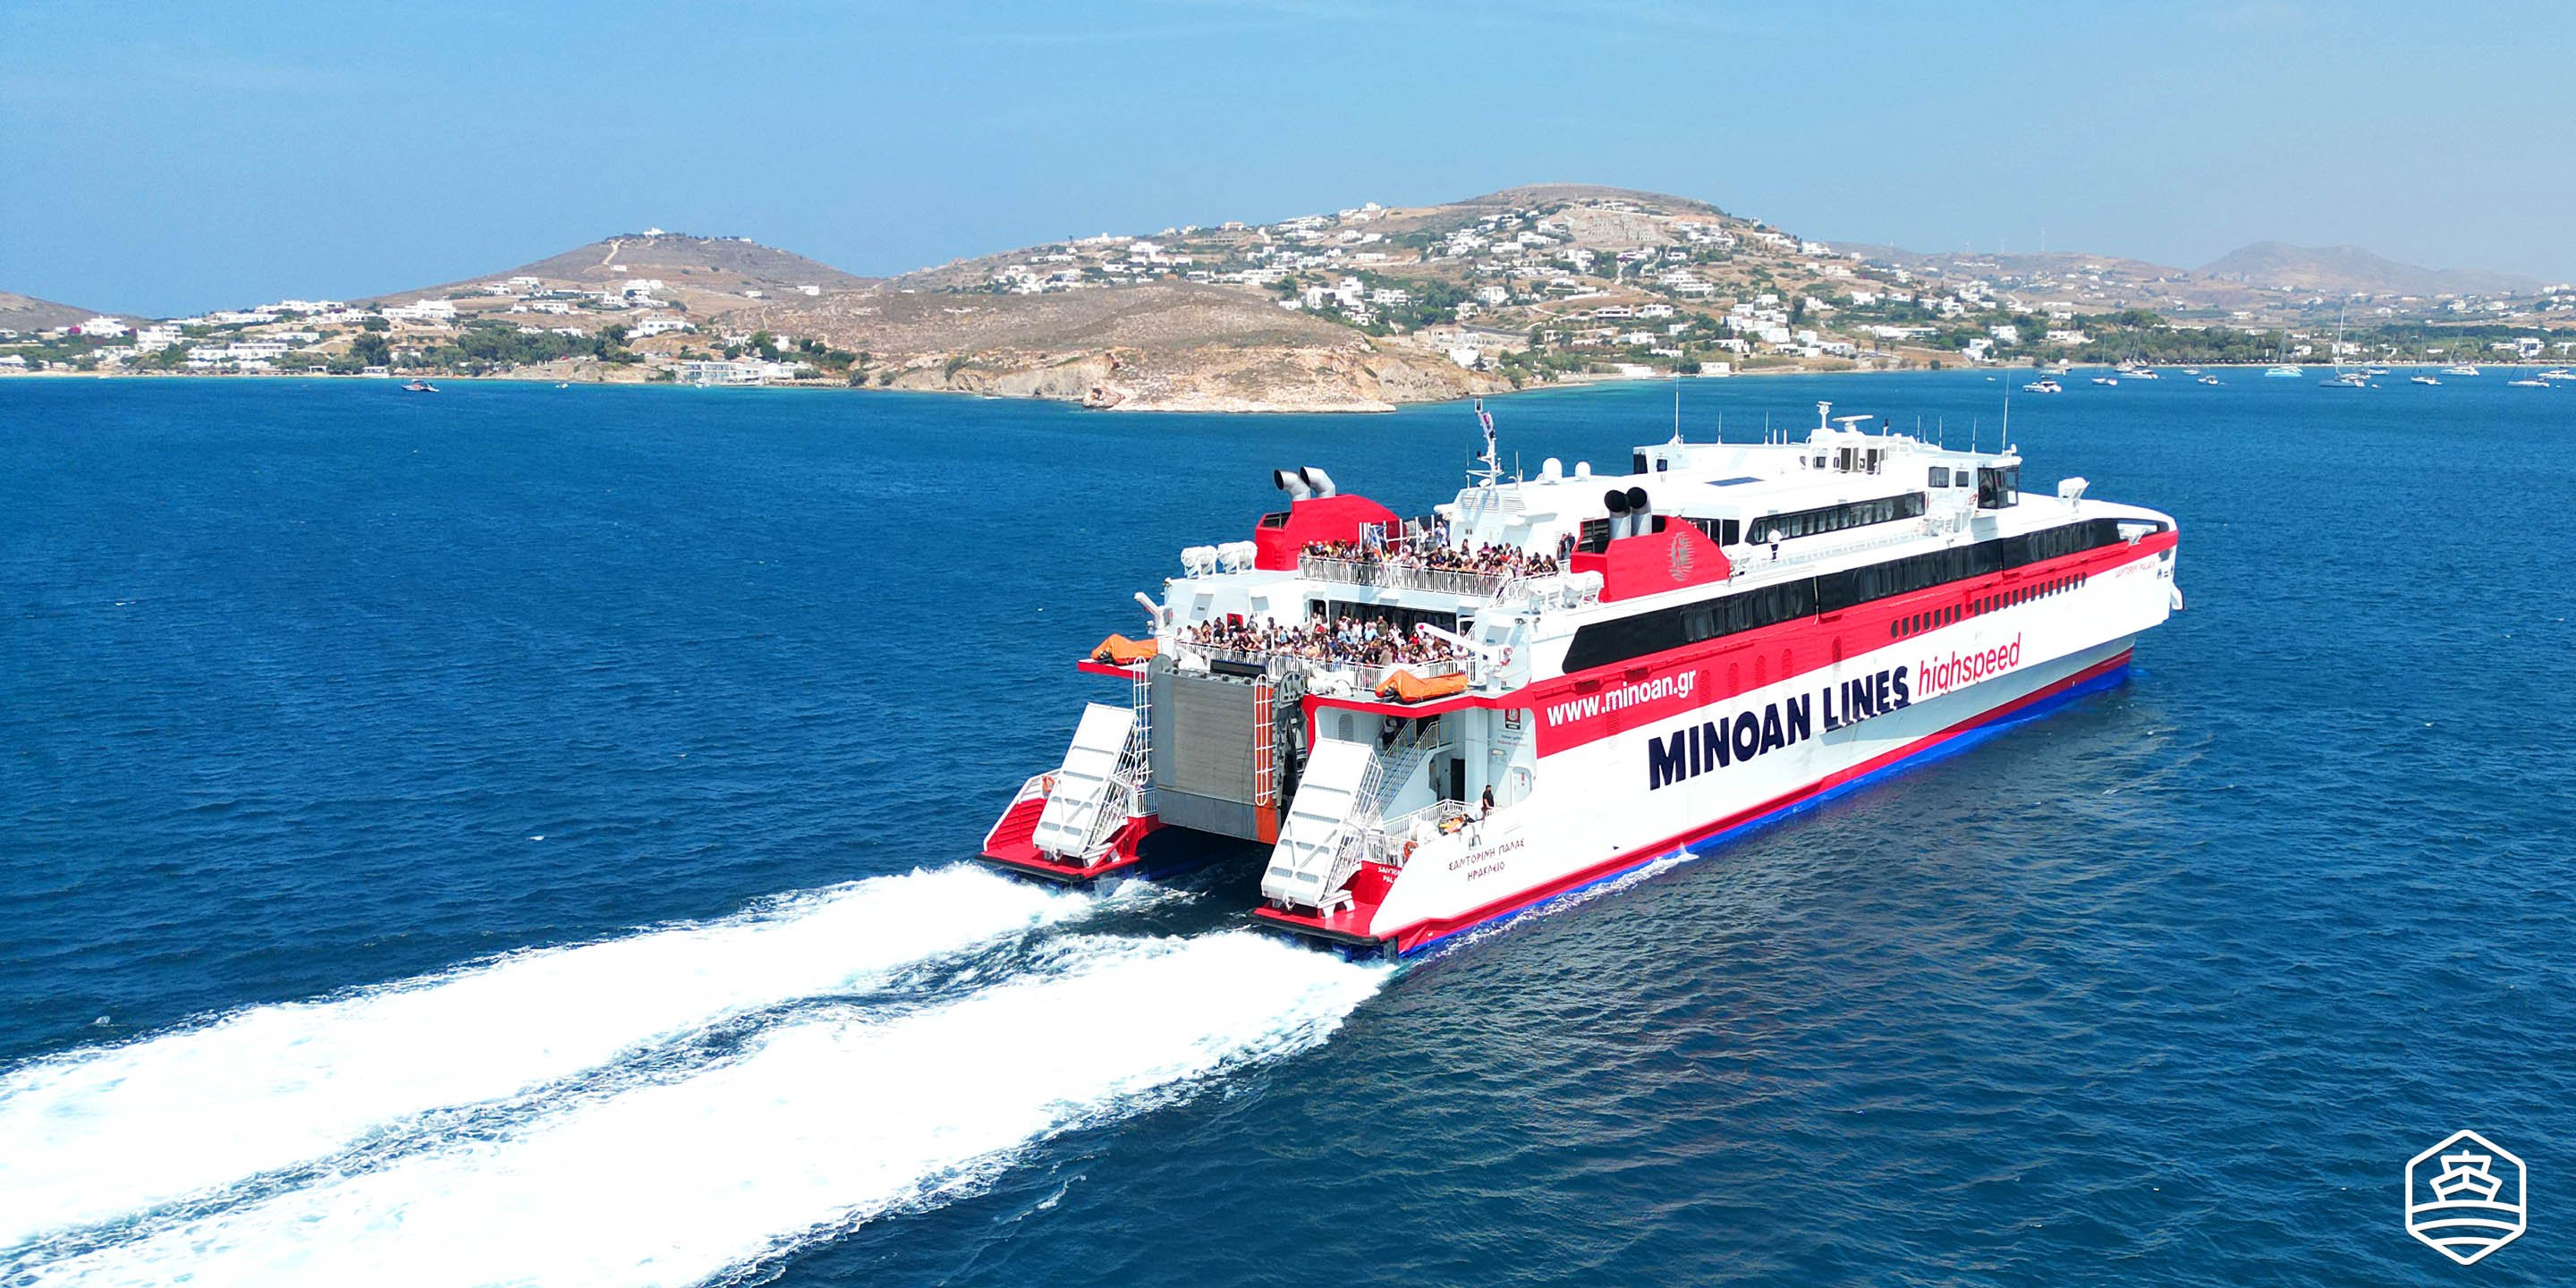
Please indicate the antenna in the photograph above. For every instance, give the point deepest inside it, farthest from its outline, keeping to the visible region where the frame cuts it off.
(1492, 460)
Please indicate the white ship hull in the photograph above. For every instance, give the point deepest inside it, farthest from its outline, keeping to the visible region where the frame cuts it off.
(1601, 809)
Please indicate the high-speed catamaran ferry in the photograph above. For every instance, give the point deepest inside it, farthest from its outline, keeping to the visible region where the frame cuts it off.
(1551, 680)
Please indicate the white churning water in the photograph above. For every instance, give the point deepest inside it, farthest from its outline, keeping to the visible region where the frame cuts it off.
(819, 1124)
(93, 1135)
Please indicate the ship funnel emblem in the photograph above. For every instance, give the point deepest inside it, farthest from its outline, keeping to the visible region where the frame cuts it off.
(2464, 1197)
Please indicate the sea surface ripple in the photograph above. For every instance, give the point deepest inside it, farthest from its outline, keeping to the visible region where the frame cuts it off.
(506, 837)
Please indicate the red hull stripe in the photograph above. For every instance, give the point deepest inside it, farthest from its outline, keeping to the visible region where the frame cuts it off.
(1421, 933)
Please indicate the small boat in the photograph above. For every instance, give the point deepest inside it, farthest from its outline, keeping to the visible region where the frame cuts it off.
(2423, 380)
(2344, 379)
(2464, 369)
(2045, 385)
(2285, 371)
(2136, 371)
(2106, 380)
(563, 384)
(420, 387)
(2191, 371)
(2529, 382)
(2209, 380)
(2558, 373)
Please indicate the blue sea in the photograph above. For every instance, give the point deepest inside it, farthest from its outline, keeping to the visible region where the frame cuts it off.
(515, 836)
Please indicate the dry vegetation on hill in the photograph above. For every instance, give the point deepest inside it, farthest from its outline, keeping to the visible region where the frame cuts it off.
(1361, 308)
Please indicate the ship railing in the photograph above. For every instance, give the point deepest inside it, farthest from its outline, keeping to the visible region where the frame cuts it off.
(1037, 787)
(1559, 590)
(1398, 575)
(1757, 558)
(1324, 674)
(1391, 842)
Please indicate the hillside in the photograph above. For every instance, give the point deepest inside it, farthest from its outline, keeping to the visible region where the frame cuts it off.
(708, 274)
(1361, 308)
(2351, 270)
(1164, 345)
(27, 313)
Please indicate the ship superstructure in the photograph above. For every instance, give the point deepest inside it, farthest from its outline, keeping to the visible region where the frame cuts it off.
(1437, 721)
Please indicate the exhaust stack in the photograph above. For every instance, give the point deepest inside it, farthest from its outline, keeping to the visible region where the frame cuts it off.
(1294, 484)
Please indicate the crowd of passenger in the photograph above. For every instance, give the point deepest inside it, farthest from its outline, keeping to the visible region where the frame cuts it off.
(1438, 556)
(1348, 640)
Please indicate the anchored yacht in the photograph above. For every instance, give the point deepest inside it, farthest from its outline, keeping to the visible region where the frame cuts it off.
(1547, 681)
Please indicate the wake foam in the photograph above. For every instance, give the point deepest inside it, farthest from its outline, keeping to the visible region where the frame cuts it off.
(819, 1125)
(93, 1135)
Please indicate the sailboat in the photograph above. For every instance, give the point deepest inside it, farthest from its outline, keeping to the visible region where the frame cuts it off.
(2342, 379)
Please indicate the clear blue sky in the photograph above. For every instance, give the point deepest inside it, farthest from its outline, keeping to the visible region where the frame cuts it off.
(163, 158)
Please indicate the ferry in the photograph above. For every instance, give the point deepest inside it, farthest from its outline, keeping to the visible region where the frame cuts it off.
(1433, 723)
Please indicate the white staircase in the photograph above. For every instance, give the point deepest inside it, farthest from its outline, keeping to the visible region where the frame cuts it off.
(1094, 788)
(1306, 866)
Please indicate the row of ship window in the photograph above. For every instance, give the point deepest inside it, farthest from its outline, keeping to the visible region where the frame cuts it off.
(1611, 642)
(1916, 623)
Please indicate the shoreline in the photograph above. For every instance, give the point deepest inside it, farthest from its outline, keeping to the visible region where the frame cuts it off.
(1587, 382)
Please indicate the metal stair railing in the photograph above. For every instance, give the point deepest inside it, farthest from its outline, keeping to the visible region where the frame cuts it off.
(1353, 845)
(1118, 800)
